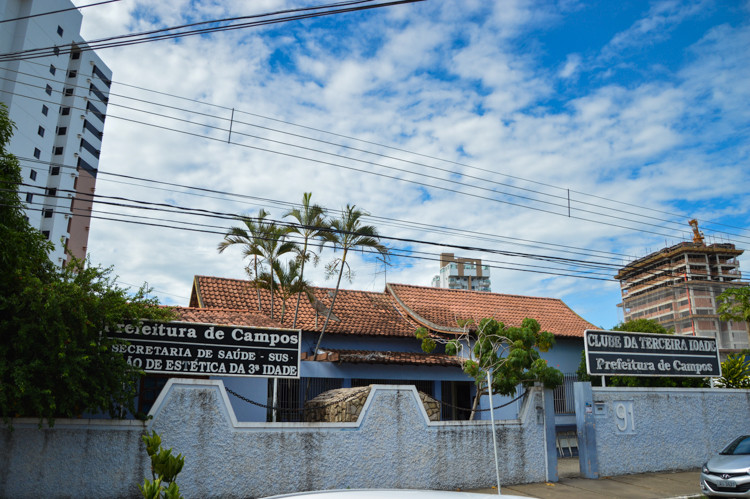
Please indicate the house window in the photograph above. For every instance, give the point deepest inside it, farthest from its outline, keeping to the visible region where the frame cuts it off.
(57, 150)
(48, 213)
(37, 153)
(45, 233)
(52, 192)
(65, 111)
(68, 92)
(59, 30)
(75, 55)
(40, 131)
(29, 197)
(48, 90)
(72, 73)
(62, 130)
(52, 69)
(45, 110)
(32, 175)
(55, 170)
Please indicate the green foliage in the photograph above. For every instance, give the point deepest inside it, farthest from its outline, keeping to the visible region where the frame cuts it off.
(734, 304)
(54, 359)
(510, 353)
(640, 326)
(735, 372)
(164, 470)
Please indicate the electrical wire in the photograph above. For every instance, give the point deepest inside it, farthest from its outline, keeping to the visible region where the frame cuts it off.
(56, 11)
(397, 169)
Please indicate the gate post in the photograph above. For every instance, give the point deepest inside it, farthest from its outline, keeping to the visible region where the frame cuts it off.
(586, 429)
(550, 435)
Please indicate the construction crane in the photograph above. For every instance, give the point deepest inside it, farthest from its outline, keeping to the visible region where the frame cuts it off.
(697, 235)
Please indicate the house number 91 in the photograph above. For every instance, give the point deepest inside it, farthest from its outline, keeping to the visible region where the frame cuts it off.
(624, 416)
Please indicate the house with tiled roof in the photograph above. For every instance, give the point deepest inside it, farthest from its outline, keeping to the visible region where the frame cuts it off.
(370, 338)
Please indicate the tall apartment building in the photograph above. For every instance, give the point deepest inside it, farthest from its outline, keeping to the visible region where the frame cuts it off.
(677, 286)
(462, 273)
(58, 103)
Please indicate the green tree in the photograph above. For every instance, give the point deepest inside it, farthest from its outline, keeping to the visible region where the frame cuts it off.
(734, 305)
(55, 360)
(348, 233)
(311, 220)
(640, 326)
(249, 238)
(509, 354)
(271, 246)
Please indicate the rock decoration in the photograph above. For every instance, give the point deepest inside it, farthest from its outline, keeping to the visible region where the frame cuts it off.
(343, 405)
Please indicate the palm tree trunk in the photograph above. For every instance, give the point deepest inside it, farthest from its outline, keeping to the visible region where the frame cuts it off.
(255, 258)
(272, 279)
(476, 403)
(333, 302)
(301, 276)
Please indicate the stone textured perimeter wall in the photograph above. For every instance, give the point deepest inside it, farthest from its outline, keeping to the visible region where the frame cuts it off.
(642, 430)
(392, 445)
(344, 405)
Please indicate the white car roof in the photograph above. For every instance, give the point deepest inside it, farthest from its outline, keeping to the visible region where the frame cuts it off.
(391, 494)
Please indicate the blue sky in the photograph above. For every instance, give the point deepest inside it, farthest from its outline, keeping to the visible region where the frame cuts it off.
(638, 109)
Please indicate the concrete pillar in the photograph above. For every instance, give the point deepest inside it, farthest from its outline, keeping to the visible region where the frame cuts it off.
(550, 435)
(586, 429)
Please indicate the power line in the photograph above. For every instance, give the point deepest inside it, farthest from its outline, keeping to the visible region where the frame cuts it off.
(395, 168)
(56, 11)
(154, 35)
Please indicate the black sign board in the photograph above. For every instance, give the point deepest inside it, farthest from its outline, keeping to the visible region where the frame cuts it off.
(210, 349)
(643, 354)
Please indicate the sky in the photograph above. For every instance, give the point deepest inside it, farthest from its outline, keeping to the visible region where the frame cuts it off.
(517, 132)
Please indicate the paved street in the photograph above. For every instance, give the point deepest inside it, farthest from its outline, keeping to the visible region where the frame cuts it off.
(640, 486)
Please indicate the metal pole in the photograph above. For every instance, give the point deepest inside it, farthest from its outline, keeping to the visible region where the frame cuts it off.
(275, 397)
(494, 437)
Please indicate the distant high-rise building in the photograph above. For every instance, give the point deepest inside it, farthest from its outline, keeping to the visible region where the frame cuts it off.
(58, 101)
(462, 273)
(678, 286)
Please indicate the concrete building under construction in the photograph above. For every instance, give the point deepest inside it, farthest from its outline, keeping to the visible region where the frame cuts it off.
(678, 286)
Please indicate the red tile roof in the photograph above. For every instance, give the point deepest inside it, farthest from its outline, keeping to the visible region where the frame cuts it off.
(396, 312)
(356, 312)
(225, 316)
(438, 309)
(384, 357)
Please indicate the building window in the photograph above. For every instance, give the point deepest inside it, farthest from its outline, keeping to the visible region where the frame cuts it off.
(32, 175)
(68, 92)
(48, 90)
(65, 111)
(57, 150)
(48, 213)
(72, 73)
(37, 153)
(45, 110)
(75, 55)
(55, 170)
(29, 197)
(62, 130)
(45, 233)
(52, 69)
(56, 50)
(52, 192)
(40, 131)
(59, 30)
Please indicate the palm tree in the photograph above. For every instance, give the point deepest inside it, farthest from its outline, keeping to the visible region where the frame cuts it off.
(248, 236)
(270, 246)
(347, 233)
(289, 282)
(311, 220)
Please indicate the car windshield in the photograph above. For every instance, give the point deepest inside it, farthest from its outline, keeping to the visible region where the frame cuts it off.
(740, 446)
